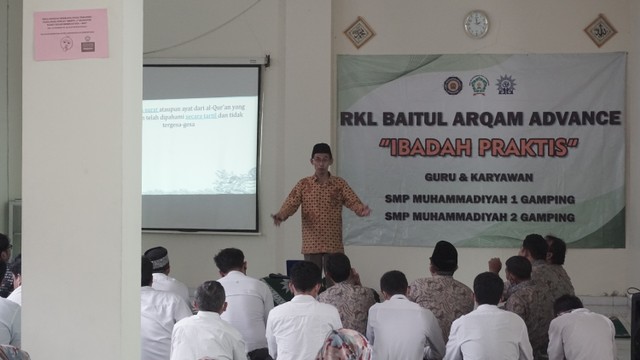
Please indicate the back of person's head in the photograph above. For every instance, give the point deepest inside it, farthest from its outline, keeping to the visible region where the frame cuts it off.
(345, 344)
(147, 272)
(444, 258)
(519, 267)
(394, 282)
(159, 257)
(16, 267)
(487, 288)
(536, 245)
(210, 296)
(557, 249)
(305, 275)
(566, 303)
(5, 244)
(338, 267)
(229, 259)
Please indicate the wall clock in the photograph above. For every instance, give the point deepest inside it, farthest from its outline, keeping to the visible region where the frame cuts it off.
(476, 24)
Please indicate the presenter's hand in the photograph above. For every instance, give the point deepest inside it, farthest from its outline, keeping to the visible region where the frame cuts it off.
(277, 220)
(365, 211)
(495, 265)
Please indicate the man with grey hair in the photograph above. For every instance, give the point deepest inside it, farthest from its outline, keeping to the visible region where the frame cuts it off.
(206, 335)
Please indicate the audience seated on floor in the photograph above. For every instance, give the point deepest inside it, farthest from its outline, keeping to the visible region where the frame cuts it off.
(345, 344)
(401, 329)
(488, 332)
(297, 329)
(534, 248)
(531, 302)
(347, 294)
(249, 301)
(206, 335)
(159, 257)
(159, 311)
(577, 333)
(447, 298)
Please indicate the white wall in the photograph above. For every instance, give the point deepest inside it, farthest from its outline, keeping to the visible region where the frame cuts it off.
(303, 38)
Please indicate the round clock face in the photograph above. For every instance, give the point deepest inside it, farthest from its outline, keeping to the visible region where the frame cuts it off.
(476, 24)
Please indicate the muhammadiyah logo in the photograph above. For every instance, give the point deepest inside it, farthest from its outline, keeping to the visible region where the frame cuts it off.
(453, 85)
(479, 84)
(506, 85)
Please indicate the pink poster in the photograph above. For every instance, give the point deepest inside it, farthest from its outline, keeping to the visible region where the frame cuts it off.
(72, 34)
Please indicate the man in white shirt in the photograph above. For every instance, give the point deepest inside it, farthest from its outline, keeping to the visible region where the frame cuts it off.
(10, 318)
(401, 329)
(205, 335)
(159, 311)
(577, 333)
(248, 301)
(296, 330)
(159, 257)
(488, 332)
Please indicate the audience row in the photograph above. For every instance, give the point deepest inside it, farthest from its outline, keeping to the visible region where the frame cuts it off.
(532, 314)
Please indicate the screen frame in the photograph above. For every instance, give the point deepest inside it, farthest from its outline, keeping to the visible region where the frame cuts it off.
(259, 65)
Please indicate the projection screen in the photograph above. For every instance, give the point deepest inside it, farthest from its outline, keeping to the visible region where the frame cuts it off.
(200, 148)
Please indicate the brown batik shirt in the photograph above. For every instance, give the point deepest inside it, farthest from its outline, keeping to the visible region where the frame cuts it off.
(321, 205)
(533, 303)
(353, 303)
(554, 277)
(447, 298)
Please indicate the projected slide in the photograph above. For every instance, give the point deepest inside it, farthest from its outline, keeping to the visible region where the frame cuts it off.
(199, 146)
(200, 136)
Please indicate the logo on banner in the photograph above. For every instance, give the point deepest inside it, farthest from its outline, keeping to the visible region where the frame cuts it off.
(506, 85)
(453, 85)
(479, 84)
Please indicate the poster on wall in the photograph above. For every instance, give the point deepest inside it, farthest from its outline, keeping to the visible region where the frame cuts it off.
(481, 150)
(70, 34)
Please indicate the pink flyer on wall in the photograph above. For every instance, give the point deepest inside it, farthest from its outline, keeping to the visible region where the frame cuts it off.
(70, 34)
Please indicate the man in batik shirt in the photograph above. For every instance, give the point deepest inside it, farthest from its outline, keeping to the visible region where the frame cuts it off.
(531, 301)
(535, 248)
(347, 294)
(555, 260)
(321, 197)
(447, 298)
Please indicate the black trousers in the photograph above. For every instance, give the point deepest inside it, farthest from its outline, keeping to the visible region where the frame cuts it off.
(259, 354)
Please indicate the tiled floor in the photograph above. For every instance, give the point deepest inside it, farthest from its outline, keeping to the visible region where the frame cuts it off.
(618, 306)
